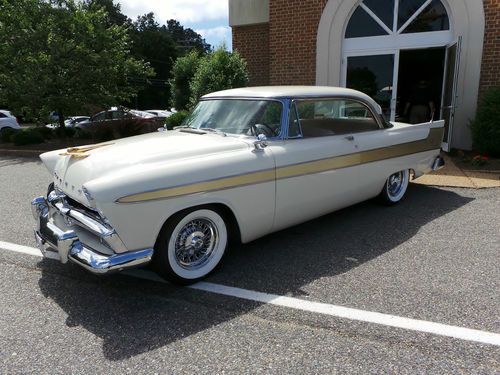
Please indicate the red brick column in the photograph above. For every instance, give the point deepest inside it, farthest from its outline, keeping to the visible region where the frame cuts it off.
(252, 42)
(490, 68)
(292, 40)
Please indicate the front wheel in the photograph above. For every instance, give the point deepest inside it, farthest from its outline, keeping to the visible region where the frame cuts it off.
(395, 187)
(190, 245)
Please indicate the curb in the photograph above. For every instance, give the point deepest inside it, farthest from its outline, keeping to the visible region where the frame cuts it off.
(23, 153)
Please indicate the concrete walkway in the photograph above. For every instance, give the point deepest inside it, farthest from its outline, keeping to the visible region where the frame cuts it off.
(453, 176)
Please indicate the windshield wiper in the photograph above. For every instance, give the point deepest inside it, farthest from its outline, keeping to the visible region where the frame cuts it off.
(212, 130)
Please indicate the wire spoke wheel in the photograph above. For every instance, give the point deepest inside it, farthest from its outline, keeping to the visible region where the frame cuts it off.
(195, 243)
(190, 245)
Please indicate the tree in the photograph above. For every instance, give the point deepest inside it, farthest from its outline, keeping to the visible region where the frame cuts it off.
(114, 11)
(186, 38)
(63, 55)
(153, 43)
(183, 72)
(218, 70)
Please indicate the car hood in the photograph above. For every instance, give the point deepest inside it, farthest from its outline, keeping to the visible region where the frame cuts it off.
(74, 167)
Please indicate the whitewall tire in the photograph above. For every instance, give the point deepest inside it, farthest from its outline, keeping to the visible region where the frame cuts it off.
(395, 187)
(191, 245)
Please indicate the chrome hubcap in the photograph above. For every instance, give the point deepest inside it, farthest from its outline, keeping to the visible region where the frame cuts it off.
(395, 184)
(195, 243)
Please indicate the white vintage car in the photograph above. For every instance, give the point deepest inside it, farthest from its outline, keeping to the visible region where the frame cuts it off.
(246, 163)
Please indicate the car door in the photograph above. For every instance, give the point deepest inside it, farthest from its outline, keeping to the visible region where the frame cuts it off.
(316, 166)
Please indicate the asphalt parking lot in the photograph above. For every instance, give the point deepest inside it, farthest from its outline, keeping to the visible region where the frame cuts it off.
(435, 258)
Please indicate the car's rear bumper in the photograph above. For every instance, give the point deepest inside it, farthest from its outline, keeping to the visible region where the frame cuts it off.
(52, 236)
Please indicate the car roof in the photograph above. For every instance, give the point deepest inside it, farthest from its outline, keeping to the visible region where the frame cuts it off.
(290, 92)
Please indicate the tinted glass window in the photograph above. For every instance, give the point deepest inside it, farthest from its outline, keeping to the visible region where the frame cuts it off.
(2, 115)
(99, 117)
(407, 8)
(320, 118)
(362, 24)
(384, 9)
(372, 75)
(433, 18)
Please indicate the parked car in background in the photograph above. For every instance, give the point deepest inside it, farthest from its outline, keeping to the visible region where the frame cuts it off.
(161, 113)
(121, 117)
(8, 121)
(70, 122)
(246, 163)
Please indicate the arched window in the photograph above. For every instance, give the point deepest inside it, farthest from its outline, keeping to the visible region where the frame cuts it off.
(396, 17)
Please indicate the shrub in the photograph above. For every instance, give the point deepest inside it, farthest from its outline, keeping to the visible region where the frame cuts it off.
(6, 134)
(218, 70)
(176, 119)
(45, 133)
(486, 127)
(183, 71)
(26, 137)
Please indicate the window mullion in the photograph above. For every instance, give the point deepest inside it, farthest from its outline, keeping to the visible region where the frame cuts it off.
(375, 17)
(396, 17)
(415, 15)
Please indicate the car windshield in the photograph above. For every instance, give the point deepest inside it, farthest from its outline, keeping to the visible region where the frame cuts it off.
(237, 116)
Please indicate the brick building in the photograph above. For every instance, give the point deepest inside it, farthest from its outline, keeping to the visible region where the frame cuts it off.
(443, 53)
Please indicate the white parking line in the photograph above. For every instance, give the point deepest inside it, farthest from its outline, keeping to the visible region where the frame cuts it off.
(461, 333)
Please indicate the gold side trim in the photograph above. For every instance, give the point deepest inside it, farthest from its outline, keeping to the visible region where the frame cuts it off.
(432, 142)
(219, 184)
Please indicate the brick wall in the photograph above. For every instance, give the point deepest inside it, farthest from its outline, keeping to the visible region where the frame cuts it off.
(292, 40)
(490, 69)
(252, 42)
(283, 52)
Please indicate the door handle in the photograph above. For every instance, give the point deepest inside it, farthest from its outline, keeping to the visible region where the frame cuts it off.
(350, 138)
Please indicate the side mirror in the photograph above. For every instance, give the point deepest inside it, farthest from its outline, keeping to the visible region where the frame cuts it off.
(261, 143)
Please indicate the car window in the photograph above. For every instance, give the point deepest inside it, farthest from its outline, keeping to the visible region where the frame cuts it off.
(2, 115)
(99, 117)
(325, 117)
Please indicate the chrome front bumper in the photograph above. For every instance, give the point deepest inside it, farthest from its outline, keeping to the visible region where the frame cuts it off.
(52, 237)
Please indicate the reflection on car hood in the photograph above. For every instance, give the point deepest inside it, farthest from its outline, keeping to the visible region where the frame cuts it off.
(91, 162)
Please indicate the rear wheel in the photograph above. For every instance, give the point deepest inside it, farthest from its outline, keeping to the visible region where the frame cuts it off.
(395, 187)
(191, 245)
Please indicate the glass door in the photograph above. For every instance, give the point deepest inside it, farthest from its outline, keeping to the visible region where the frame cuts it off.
(374, 75)
(449, 97)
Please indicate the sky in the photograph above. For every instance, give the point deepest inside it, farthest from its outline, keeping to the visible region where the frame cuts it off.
(207, 17)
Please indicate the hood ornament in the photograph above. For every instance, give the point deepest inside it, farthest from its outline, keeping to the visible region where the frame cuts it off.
(82, 152)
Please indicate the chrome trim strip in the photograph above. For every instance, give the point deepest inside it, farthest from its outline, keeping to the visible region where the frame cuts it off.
(101, 264)
(432, 142)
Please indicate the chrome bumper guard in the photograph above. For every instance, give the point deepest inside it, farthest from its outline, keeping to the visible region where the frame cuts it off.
(51, 238)
(438, 163)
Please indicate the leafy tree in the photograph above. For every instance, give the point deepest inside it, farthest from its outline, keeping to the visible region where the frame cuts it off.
(186, 38)
(218, 70)
(183, 72)
(153, 43)
(113, 10)
(62, 55)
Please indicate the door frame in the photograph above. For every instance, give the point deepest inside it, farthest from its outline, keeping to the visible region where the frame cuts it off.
(446, 145)
(395, 73)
